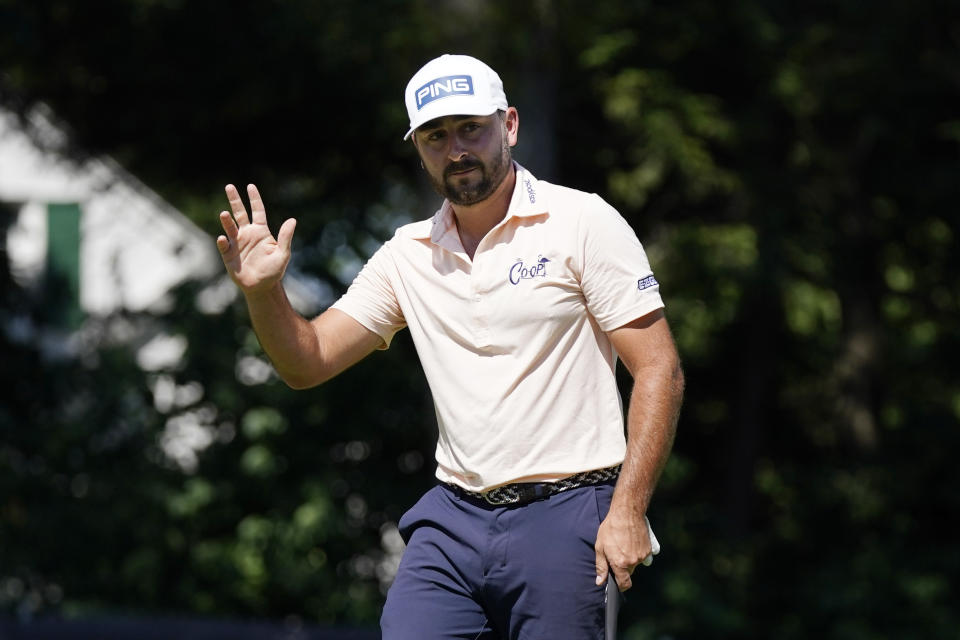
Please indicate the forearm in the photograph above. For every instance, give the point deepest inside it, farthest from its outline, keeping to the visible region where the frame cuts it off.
(289, 339)
(647, 349)
(651, 425)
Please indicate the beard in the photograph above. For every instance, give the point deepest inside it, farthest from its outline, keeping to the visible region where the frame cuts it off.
(462, 190)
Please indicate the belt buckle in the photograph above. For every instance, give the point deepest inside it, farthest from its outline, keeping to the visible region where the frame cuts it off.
(528, 492)
(519, 493)
(493, 496)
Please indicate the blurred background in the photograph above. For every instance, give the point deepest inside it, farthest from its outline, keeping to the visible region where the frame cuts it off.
(792, 169)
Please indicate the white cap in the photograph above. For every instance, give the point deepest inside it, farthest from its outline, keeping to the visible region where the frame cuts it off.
(453, 85)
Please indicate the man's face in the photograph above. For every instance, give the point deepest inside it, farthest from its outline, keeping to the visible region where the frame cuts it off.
(466, 157)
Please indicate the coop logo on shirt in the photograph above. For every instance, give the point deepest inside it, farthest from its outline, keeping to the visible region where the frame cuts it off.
(443, 87)
(521, 270)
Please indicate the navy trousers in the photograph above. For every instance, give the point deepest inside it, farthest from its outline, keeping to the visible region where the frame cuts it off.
(474, 571)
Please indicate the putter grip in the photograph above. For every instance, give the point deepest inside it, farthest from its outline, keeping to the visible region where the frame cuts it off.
(613, 608)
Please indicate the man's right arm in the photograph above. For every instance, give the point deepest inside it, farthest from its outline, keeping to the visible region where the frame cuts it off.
(307, 353)
(304, 353)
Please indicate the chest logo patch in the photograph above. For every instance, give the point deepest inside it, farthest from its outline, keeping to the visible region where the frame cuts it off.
(521, 270)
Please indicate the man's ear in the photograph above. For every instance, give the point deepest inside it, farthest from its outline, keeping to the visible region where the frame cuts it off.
(511, 122)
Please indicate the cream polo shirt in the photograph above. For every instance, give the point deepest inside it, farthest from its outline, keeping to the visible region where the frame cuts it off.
(513, 342)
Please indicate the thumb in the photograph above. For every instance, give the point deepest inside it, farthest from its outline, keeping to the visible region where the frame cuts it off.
(601, 566)
(285, 235)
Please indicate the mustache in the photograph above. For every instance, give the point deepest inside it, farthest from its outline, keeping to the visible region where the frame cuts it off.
(462, 165)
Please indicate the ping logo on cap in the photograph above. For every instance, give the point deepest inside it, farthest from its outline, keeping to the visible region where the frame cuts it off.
(443, 87)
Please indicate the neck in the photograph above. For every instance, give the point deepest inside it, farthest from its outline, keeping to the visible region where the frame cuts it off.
(476, 220)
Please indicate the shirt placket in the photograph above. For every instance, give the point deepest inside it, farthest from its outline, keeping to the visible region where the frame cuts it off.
(478, 291)
(483, 280)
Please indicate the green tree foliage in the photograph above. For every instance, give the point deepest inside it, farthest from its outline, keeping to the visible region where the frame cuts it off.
(792, 171)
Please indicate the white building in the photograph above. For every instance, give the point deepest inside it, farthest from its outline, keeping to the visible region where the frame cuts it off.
(108, 240)
(91, 240)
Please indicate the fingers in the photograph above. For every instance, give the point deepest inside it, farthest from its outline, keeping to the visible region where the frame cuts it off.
(616, 564)
(602, 567)
(228, 224)
(620, 550)
(622, 576)
(258, 213)
(236, 205)
(285, 235)
(224, 242)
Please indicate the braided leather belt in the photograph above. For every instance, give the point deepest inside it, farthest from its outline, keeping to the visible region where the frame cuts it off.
(523, 492)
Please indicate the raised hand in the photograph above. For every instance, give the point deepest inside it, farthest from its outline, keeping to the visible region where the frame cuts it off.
(254, 259)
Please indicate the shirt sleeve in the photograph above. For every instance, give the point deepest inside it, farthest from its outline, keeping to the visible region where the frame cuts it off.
(616, 278)
(371, 299)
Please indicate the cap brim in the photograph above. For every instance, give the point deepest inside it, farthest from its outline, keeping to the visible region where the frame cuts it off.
(444, 115)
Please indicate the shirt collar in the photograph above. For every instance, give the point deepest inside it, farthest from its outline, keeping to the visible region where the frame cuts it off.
(527, 200)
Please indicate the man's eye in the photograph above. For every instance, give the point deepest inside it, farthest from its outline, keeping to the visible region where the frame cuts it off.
(436, 135)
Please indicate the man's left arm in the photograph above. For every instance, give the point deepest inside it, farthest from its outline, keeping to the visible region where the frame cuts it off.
(647, 349)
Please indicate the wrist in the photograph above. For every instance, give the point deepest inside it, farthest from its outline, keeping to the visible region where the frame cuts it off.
(630, 498)
(628, 507)
(266, 292)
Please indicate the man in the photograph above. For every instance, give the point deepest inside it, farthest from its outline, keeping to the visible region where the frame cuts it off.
(519, 295)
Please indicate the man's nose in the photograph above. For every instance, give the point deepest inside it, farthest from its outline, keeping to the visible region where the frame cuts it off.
(456, 151)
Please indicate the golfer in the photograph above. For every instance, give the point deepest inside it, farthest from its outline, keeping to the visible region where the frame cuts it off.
(520, 296)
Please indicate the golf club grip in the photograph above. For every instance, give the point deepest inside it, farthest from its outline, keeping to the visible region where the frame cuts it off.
(613, 608)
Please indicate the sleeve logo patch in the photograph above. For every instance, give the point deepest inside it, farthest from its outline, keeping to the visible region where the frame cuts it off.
(646, 283)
